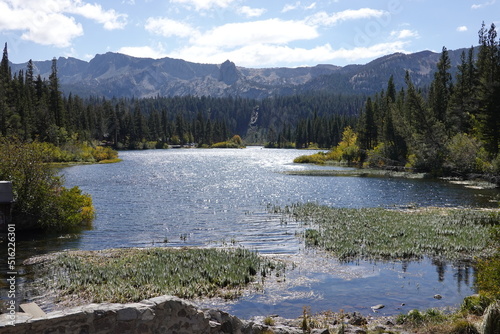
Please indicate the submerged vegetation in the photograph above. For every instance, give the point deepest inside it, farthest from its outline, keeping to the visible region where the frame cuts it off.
(126, 275)
(443, 234)
(377, 233)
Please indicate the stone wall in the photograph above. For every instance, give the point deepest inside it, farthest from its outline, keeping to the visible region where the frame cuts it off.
(164, 314)
(158, 315)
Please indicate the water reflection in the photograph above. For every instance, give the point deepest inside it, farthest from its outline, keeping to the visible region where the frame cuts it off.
(220, 197)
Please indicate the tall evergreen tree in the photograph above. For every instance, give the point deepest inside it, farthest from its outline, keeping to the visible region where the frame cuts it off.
(488, 92)
(441, 87)
(56, 103)
(461, 107)
(367, 128)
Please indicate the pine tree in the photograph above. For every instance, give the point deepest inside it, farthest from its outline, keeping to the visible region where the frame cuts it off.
(461, 106)
(56, 103)
(5, 77)
(488, 91)
(367, 128)
(441, 87)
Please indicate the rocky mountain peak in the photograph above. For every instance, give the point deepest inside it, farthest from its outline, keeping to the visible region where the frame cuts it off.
(229, 74)
(117, 75)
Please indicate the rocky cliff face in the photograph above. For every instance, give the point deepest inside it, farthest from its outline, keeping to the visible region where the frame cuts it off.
(118, 75)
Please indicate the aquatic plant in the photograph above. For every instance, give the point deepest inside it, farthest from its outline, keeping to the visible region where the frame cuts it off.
(378, 233)
(269, 321)
(488, 274)
(126, 275)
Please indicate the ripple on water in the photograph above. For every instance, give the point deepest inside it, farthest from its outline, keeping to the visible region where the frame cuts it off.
(213, 197)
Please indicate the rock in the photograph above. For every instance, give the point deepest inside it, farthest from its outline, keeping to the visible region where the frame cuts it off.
(320, 331)
(228, 73)
(378, 307)
(491, 321)
(357, 320)
(213, 324)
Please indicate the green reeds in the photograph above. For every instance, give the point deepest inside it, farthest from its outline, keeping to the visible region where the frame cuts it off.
(127, 275)
(377, 233)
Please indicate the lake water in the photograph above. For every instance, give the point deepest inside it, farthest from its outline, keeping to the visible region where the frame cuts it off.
(214, 197)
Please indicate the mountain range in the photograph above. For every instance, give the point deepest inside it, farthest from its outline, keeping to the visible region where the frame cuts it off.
(118, 75)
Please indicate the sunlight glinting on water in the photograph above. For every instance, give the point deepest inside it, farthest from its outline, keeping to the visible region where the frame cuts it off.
(220, 198)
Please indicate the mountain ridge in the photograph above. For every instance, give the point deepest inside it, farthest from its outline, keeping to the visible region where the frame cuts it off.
(118, 75)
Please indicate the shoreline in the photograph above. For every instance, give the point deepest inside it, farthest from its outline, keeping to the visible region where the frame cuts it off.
(354, 322)
(470, 181)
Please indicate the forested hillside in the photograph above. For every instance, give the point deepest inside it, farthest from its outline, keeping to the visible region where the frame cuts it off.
(451, 127)
(32, 108)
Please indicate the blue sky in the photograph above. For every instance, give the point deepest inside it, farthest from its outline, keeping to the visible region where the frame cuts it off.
(257, 33)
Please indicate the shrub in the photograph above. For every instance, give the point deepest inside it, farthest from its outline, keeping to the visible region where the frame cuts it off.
(463, 326)
(488, 270)
(317, 158)
(104, 153)
(347, 150)
(269, 321)
(235, 142)
(465, 154)
(475, 304)
(70, 209)
(41, 200)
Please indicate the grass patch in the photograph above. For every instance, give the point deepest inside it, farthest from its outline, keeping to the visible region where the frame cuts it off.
(434, 321)
(110, 161)
(358, 173)
(377, 233)
(316, 158)
(130, 275)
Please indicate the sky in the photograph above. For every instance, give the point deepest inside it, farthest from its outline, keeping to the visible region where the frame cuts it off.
(257, 33)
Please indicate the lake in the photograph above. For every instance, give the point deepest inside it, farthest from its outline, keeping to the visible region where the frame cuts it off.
(214, 197)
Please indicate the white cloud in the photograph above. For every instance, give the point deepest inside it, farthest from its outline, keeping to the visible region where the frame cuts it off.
(108, 18)
(405, 33)
(265, 55)
(272, 31)
(462, 28)
(289, 7)
(311, 6)
(167, 27)
(204, 4)
(293, 6)
(46, 28)
(370, 52)
(322, 18)
(143, 51)
(48, 22)
(482, 5)
(251, 12)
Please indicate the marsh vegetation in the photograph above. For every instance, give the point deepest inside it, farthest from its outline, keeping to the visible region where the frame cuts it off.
(411, 234)
(130, 275)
